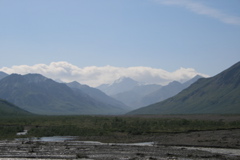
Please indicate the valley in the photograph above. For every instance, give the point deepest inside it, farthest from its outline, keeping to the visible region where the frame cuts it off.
(120, 137)
(40, 95)
(200, 122)
(120, 80)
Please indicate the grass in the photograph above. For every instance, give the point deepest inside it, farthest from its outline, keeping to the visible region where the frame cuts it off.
(110, 126)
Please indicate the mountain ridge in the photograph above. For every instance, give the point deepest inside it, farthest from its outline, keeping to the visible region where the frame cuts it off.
(134, 96)
(143, 95)
(97, 94)
(40, 95)
(168, 91)
(120, 85)
(215, 95)
(9, 109)
(3, 75)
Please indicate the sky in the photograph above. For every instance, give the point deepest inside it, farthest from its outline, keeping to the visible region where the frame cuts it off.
(91, 40)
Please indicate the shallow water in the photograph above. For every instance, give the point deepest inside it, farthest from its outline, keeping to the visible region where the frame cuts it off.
(74, 138)
(22, 133)
(134, 144)
(49, 139)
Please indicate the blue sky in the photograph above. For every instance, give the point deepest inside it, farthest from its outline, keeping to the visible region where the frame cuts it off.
(165, 34)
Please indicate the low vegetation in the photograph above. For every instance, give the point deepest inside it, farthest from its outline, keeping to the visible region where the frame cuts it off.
(85, 126)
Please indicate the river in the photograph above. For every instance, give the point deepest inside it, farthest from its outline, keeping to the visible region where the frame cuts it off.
(227, 151)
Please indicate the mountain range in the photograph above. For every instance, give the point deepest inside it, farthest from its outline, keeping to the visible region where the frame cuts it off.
(22, 94)
(38, 94)
(167, 91)
(122, 84)
(215, 95)
(133, 97)
(96, 94)
(136, 95)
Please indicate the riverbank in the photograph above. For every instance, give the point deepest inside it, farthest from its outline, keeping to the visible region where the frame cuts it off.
(98, 151)
(171, 137)
(168, 146)
(213, 138)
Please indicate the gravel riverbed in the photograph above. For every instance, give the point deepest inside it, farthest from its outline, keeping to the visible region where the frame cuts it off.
(202, 145)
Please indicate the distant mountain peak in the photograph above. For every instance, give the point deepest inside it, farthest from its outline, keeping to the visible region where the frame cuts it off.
(197, 76)
(174, 83)
(120, 85)
(28, 78)
(35, 78)
(125, 80)
(75, 83)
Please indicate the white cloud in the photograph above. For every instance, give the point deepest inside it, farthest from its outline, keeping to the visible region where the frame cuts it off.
(202, 9)
(95, 76)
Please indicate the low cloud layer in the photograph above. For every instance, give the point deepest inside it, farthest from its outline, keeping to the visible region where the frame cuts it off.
(95, 76)
(202, 9)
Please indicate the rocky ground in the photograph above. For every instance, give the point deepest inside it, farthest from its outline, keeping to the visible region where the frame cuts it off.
(217, 138)
(170, 146)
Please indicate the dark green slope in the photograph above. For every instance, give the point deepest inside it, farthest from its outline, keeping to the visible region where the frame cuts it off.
(217, 95)
(8, 109)
(38, 94)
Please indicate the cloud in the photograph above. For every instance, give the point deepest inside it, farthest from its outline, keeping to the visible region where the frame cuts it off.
(95, 76)
(202, 9)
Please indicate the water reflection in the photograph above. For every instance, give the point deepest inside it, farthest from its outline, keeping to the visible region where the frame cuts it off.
(74, 138)
(49, 139)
